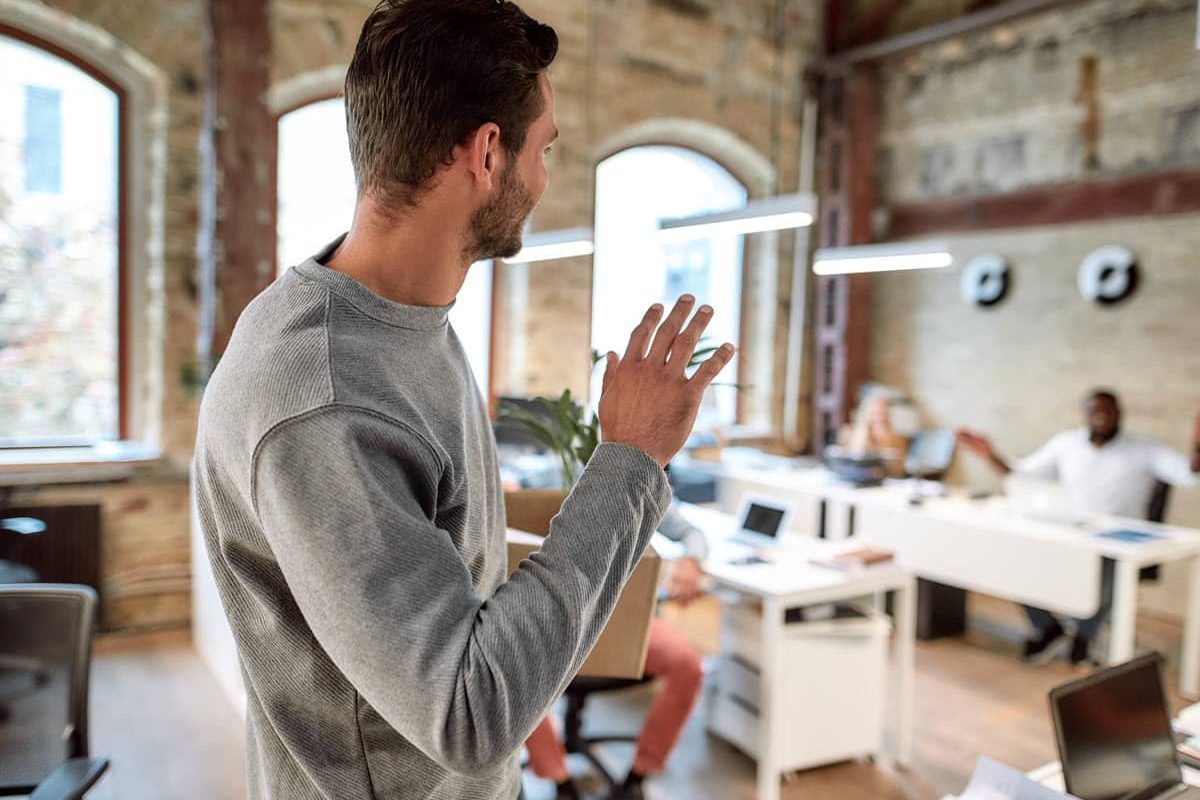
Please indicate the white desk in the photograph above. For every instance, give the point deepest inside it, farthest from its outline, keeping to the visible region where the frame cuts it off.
(986, 547)
(790, 581)
(1050, 776)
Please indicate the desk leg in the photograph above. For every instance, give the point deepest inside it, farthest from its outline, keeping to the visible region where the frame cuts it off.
(770, 721)
(1189, 665)
(1124, 613)
(903, 652)
(837, 520)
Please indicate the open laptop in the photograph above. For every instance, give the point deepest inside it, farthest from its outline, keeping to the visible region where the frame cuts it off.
(1114, 735)
(1041, 500)
(762, 521)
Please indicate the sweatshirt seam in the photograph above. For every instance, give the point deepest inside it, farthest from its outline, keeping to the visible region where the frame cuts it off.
(329, 344)
(366, 313)
(362, 746)
(312, 412)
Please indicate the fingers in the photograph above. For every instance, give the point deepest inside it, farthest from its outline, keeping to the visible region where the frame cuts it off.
(665, 338)
(685, 343)
(610, 367)
(712, 367)
(640, 337)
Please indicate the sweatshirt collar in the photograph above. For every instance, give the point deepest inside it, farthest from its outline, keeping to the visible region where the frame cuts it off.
(420, 318)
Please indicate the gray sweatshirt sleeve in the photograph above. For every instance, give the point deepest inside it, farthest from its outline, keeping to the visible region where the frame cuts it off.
(676, 527)
(345, 499)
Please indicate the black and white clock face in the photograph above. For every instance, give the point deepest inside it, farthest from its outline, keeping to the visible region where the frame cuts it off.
(1108, 275)
(985, 280)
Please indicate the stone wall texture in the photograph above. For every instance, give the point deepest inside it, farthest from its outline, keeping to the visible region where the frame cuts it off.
(1001, 111)
(734, 65)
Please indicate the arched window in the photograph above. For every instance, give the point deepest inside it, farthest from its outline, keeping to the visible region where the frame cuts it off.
(635, 189)
(61, 249)
(316, 195)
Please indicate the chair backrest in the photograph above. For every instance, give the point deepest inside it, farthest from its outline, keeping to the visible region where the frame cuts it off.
(45, 666)
(1157, 511)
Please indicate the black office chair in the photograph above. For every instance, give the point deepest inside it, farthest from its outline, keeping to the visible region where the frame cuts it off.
(574, 742)
(1157, 512)
(44, 740)
(10, 571)
(576, 695)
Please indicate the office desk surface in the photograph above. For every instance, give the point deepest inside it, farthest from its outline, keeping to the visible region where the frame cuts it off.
(788, 572)
(1176, 542)
(787, 580)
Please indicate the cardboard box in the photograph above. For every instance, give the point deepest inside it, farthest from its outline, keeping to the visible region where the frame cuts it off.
(620, 652)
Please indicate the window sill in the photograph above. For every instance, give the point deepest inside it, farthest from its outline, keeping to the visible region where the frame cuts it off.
(106, 461)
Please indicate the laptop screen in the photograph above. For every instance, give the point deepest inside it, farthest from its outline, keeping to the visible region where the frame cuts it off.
(763, 519)
(1114, 733)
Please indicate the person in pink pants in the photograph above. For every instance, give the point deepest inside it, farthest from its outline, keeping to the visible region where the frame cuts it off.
(670, 660)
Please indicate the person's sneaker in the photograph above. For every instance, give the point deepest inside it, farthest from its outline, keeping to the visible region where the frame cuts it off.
(1081, 651)
(1041, 648)
(627, 792)
(567, 790)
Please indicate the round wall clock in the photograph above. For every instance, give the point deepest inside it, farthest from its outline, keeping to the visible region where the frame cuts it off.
(985, 280)
(1108, 275)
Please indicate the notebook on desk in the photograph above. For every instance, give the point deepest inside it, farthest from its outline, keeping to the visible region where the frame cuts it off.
(1130, 536)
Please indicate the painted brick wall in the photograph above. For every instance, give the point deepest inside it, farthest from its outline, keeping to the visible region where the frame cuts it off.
(736, 65)
(1001, 111)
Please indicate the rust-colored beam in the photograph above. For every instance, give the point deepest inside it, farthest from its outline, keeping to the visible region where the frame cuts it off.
(874, 27)
(238, 145)
(1086, 201)
(969, 23)
(849, 136)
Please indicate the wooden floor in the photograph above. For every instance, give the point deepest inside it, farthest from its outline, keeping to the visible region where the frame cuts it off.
(170, 734)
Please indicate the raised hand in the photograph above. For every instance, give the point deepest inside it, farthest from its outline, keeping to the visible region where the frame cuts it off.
(648, 401)
(976, 443)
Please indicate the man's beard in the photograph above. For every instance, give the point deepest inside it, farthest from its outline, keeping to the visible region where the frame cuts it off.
(495, 229)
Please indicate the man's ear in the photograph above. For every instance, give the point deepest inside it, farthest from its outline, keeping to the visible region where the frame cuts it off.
(484, 155)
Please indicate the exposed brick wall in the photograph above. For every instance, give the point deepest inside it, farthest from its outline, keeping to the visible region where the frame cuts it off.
(1103, 88)
(736, 65)
(1001, 111)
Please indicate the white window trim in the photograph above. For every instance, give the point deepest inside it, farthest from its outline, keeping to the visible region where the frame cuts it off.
(756, 172)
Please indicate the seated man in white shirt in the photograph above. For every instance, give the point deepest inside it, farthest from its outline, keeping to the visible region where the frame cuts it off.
(1105, 471)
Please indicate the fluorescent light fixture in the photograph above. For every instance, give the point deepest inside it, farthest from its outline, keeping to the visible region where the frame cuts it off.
(757, 216)
(551, 245)
(889, 257)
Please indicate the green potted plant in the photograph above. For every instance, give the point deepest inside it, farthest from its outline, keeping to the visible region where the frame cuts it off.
(569, 432)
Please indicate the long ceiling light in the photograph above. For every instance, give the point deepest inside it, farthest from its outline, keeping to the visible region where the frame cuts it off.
(889, 257)
(757, 216)
(551, 245)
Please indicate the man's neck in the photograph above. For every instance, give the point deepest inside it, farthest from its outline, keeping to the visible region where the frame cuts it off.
(416, 260)
(1101, 439)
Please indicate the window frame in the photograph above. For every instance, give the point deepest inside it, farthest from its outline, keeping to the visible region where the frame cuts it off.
(124, 423)
(740, 412)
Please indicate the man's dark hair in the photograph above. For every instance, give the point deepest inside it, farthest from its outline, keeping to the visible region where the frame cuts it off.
(428, 73)
(1102, 394)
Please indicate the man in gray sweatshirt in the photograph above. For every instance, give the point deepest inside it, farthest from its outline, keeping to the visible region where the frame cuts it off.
(346, 475)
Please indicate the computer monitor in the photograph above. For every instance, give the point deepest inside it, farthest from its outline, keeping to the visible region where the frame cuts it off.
(1114, 733)
(763, 521)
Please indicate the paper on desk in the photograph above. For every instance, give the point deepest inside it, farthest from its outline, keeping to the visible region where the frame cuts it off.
(995, 781)
(1188, 721)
